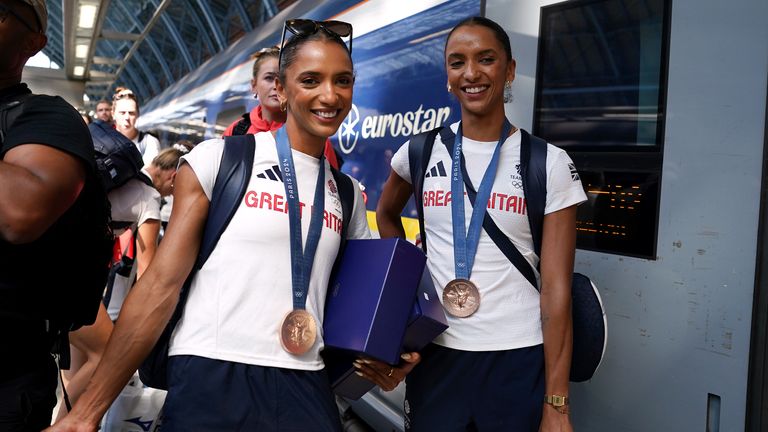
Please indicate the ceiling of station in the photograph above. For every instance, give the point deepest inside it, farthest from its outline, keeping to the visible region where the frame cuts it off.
(145, 45)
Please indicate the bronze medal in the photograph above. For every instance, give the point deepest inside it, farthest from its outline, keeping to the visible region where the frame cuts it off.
(298, 332)
(461, 298)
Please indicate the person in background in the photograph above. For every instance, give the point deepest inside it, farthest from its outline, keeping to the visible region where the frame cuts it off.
(162, 170)
(125, 110)
(88, 343)
(104, 111)
(496, 362)
(268, 115)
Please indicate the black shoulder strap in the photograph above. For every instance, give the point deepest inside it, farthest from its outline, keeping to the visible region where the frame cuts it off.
(499, 238)
(142, 134)
(242, 126)
(347, 195)
(231, 183)
(9, 112)
(419, 151)
(144, 178)
(533, 170)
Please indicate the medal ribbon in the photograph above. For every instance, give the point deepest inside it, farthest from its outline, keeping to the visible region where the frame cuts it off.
(302, 259)
(465, 246)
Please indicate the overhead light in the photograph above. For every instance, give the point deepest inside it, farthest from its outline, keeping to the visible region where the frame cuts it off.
(78, 70)
(81, 51)
(87, 16)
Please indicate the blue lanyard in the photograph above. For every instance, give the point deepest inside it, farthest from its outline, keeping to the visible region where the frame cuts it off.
(302, 260)
(465, 246)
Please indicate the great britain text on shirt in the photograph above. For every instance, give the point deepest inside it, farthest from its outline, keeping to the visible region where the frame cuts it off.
(497, 201)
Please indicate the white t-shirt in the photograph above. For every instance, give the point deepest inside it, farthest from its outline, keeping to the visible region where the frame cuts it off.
(238, 299)
(137, 202)
(148, 146)
(509, 315)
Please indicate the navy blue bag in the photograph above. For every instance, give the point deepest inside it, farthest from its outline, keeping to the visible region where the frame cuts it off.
(589, 323)
(117, 158)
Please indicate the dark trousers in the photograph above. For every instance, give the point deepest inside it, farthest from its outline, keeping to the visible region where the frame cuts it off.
(214, 395)
(27, 398)
(452, 390)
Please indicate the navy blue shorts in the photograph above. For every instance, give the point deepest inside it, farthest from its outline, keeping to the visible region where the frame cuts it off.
(215, 395)
(452, 390)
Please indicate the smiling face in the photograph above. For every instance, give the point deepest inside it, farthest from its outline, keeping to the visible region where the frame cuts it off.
(477, 68)
(317, 89)
(263, 85)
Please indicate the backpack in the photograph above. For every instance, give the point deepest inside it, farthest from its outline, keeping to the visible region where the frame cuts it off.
(228, 190)
(589, 321)
(117, 158)
(75, 280)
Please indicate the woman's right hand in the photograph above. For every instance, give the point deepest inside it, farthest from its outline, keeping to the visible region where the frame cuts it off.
(384, 375)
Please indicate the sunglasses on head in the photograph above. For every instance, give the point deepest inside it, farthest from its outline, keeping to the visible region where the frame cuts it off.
(305, 27)
(125, 94)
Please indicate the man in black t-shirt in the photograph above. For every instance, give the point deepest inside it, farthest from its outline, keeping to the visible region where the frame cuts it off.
(53, 231)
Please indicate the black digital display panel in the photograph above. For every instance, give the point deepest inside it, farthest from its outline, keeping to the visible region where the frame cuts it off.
(601, 95)
(620, 213)
(601, 75)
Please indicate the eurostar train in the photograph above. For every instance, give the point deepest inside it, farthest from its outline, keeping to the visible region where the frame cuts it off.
(662, 106)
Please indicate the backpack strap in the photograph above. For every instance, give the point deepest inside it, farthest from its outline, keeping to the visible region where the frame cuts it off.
(144, 178)
(242, 126)
(419, 151)
(533, 170)
(231, 183)
(8, 114)
(347, 195)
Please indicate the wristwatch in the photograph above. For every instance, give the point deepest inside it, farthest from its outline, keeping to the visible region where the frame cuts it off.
(560, 403)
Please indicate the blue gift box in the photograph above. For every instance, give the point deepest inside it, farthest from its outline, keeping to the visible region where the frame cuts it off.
(426, 321)
(427, 318)
(370, 301)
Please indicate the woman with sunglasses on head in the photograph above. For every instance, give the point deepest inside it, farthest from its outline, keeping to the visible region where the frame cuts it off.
(267, 115)
(245, 355)
(507, 346)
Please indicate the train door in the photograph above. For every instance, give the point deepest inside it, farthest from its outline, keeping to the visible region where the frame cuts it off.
(757, 396)
(680, 299)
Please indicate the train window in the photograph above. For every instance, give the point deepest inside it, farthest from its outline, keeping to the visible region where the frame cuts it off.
(600, 95)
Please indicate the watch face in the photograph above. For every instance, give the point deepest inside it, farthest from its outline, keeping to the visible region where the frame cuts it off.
(556, 400)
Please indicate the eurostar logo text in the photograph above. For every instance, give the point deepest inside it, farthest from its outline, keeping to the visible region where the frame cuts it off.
(400, 124)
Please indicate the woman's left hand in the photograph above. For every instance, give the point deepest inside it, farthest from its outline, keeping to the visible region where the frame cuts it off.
(555, 421)
(384, 375)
